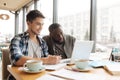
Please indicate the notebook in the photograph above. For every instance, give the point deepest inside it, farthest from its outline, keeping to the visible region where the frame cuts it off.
(55, 67)
(113, 69)
(82, 50)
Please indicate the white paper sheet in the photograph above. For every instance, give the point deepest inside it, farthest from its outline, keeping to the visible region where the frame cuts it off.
(76, 75)
(114, 69)
(49, 77)
(55, 67)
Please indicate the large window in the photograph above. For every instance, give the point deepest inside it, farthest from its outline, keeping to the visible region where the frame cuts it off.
(108, 23)
(74, 16)
(6, 27)
(46, 7)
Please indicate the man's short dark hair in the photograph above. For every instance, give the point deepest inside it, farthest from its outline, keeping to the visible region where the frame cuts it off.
(34, 14)
(54, 26)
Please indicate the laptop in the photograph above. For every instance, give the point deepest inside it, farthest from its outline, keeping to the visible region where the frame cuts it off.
(82, 50)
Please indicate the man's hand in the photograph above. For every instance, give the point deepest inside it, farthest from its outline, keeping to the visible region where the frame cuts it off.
(52, 59)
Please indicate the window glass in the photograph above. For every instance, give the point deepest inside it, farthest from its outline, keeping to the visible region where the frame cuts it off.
(20, 21)
(46, 7)
(74, 16)
(7, 27)
(108, 23)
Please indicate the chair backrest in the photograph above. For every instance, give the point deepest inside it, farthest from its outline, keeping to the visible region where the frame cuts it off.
(5, 62)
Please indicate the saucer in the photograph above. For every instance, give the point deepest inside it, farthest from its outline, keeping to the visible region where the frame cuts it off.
(25, 69)
(74, 68)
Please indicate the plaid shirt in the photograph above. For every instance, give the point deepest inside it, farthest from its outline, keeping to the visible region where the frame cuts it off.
(19, 47)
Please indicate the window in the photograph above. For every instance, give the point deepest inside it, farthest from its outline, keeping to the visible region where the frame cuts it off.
(108, 23)
(7, 27)
(46, 7)
(74, 16)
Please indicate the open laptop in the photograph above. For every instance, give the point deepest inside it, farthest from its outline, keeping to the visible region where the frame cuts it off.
(81, 50)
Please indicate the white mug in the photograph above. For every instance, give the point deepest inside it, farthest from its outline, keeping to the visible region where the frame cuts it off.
(81, 63)
(33, 65)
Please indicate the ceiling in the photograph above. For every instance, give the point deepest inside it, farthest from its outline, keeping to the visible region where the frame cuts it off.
(13, 5)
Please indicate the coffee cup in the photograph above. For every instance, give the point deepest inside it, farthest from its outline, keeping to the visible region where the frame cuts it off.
(83, 63)
(33, 65)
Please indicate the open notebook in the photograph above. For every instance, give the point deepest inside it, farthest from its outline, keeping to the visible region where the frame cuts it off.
(55, 67)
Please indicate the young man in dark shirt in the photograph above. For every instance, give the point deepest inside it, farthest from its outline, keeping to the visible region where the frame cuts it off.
(58, 42)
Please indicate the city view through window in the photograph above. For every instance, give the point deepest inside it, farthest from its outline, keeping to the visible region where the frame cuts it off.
(108, 23)
(76, 21)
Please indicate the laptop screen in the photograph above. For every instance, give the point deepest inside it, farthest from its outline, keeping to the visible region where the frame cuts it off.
(82, 50)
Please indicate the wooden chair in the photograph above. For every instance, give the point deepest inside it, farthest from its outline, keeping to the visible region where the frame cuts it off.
(5, 62)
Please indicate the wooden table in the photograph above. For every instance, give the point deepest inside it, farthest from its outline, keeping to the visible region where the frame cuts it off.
(20, 75)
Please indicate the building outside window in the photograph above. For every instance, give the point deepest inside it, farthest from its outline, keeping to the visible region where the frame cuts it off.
(108, 23)
(75, 19)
